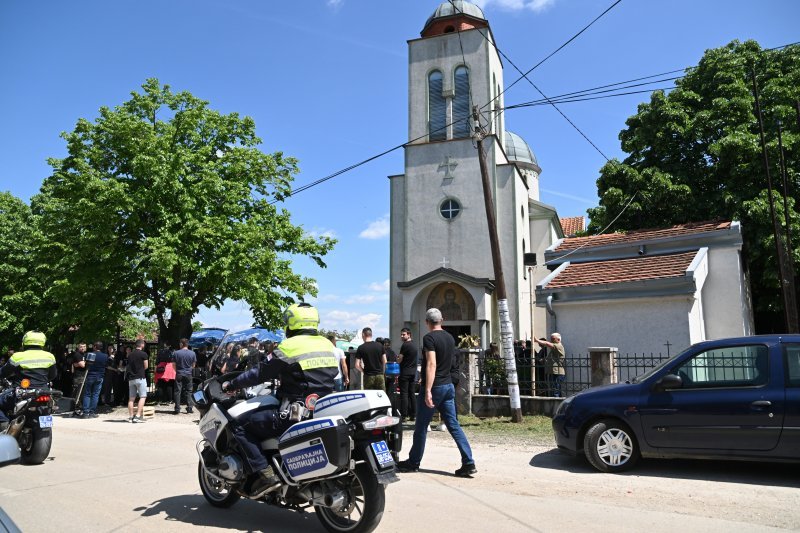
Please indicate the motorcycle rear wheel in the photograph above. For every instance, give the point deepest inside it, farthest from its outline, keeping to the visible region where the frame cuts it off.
(214, 491)
(363, 509)
(38, 449)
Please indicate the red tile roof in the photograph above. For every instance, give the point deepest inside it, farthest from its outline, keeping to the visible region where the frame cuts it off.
(641, 235)
(572, 225)
(620, 270)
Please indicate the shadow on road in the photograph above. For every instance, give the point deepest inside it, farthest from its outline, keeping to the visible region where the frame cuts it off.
(751, 473)
(246, 515)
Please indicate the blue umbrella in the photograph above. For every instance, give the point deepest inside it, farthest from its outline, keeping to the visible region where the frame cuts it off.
(262, 334)
(206, 335)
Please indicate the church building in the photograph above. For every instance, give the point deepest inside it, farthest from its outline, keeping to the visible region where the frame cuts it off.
(440, 251)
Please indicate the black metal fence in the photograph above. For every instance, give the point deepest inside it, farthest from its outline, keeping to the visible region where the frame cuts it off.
(628, 366)
(535, 379)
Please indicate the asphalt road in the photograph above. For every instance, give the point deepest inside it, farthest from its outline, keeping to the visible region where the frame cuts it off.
(108, 475)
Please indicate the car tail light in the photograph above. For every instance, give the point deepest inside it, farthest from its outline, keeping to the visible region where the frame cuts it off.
(44, 398)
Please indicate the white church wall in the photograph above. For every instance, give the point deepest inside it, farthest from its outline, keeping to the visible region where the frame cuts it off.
(430, 238)
(725, 303)
(636, 325)
(397, 251)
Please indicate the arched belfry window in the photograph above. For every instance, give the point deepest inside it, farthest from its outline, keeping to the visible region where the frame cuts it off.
(437, 108)
(461, 110)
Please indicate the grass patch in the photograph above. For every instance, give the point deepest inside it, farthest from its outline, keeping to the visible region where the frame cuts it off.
(534, 428)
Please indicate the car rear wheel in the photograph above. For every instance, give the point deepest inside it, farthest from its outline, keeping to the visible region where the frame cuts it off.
(610, 446)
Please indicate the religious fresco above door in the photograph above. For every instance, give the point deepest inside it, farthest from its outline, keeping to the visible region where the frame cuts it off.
(453, 301)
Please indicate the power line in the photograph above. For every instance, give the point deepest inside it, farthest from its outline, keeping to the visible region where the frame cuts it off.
(554, 105)
(602, 231)
(390, 150)
(595, 91)
(525, 74)
(554, 52)
(584, 98)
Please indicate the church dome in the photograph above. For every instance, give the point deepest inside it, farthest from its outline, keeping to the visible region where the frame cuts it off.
(446, 9)
(452, 16)
(518, 150)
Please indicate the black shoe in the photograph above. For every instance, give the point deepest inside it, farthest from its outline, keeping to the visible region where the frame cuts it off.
(466, 470)
(266, 482)
(189, 411)
(176, 412)
(94, 415)
(407, 466)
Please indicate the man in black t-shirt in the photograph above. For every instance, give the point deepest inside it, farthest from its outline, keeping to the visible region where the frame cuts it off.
(437, 394)
(371, 360)
(137, 384)
(408, 372)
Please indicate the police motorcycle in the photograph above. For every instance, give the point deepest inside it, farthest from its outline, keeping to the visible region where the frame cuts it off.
(32, 420)
(336, 458)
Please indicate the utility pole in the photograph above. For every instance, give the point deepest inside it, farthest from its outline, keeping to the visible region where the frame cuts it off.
(506, 329)
(789, 297)
(786, 217)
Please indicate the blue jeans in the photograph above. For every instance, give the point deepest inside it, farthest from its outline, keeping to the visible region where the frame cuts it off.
(556, 384)
(443, 401)
(91, 393)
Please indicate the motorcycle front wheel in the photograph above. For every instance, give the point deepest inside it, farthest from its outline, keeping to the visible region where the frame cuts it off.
(215, 492)
(363, 507)
(36, 450)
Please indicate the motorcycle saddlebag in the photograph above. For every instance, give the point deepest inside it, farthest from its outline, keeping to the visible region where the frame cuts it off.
(315, 448)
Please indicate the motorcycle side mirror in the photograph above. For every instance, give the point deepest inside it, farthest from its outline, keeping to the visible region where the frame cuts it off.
(9, 451)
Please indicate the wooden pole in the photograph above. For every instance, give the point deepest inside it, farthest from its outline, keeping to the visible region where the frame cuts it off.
(789, 298)
(506, 328)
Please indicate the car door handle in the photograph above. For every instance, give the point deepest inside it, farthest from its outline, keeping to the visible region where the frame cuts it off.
(761, 403)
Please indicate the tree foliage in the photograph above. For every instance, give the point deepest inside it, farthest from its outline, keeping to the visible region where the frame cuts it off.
(695, 154)
(20, 291)
(165, 204)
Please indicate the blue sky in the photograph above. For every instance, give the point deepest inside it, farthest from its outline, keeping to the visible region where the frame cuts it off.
(326, 82)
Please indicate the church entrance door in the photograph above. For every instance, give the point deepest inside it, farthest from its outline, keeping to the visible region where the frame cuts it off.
(455, 331)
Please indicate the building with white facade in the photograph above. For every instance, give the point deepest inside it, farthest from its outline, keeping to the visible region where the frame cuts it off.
(648, 291)
(440, 251)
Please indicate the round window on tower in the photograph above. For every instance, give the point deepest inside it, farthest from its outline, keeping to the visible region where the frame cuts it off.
(449, 209)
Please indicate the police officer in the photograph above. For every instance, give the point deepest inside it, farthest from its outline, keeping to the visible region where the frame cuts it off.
(33, 363)
(306, 366)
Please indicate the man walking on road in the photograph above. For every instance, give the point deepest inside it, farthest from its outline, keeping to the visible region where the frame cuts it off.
(437, 394)
(183, 362)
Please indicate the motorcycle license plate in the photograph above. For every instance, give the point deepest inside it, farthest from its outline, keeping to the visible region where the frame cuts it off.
(382, 453)
(46, 421)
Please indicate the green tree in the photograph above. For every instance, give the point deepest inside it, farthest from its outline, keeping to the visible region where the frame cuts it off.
(695, 154)
(132, 327)
(20, 292)
(165, 204)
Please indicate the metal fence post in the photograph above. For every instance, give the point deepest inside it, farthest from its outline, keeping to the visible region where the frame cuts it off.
(603, 364)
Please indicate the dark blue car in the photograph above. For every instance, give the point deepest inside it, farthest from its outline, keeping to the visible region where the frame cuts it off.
(724, 399)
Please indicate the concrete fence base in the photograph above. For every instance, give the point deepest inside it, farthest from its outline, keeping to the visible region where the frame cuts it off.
(488, 406)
